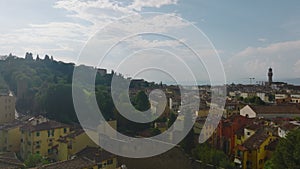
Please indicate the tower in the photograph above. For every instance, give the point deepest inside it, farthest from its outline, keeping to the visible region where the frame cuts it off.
(270, 75)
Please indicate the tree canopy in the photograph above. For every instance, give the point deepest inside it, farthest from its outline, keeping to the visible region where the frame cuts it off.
(287, 153)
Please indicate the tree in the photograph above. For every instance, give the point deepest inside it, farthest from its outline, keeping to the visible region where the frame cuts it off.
(141, 101)
(211, 156)
(287, 153)
(34, 160)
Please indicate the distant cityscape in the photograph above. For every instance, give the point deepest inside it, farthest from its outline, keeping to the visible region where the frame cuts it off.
(254, 119)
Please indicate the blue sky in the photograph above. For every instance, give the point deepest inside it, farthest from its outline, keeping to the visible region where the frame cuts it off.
(249, 36)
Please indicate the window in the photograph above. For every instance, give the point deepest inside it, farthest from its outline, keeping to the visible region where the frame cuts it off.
(49, 151)
(248, 133)
(65, 130)
(52, 133)
(38, 134)
(110, 162)
(49, 133)
(37, 152)
(100, 165)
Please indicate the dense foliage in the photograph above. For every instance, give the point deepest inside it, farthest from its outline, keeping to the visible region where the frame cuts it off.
(44, 86)
(287, 153)
(208, 155)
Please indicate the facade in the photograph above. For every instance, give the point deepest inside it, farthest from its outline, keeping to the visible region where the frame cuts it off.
(271, 111)
(7, 107)
(73, 143)
(295, 98)
(253, 149)
(40, 137)
(10, 137)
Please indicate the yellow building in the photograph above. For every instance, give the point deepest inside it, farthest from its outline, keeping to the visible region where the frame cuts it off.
(10, 136)
(72, 143)
(252, 152)
(7, 107)
(77, 140)
(88, 158)
(40, 136)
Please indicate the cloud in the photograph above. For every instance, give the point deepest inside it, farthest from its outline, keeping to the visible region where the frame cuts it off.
(262, 39)
(139, 4)
(85, 19)
(254, 61)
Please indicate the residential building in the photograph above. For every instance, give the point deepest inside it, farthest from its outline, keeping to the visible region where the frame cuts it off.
(254, 152)
(226, 131)
(103, 159)
(10, 136)
(295, 98)
(40, 136)
(271, 111)
(73, 143)
(282, 98)
(7, 107)
(286, 126)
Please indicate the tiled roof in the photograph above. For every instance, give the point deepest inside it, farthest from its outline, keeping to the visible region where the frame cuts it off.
(277, 109)
(95, 154)
(256, 140)
(77, 163)
(15, 123)
(288, 126)
(44, 126)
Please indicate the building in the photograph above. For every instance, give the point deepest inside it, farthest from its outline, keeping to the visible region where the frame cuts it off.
(253, 153)
(295, 98)
(271, 111)
(270, 77)
(73, 143)
(286, 126)
(226, 131)
(10, 136)
(247, 94)
(102, 158)
(40, 136)
(7, 107)
(76, 163)
(102, 72)
(282, 98)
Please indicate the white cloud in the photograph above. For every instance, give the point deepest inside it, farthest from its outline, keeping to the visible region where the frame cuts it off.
(139, 4)
(262, 39)
(254, 61)
(87, 17)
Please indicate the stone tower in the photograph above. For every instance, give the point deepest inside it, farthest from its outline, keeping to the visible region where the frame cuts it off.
(270, 75)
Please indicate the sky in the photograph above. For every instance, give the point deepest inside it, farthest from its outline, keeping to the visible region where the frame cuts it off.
(249, 37)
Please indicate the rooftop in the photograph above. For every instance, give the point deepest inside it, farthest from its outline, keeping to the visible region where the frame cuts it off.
(256, 140)
(44, 126)
(95, 154)
(277, 109)
(76, 163)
